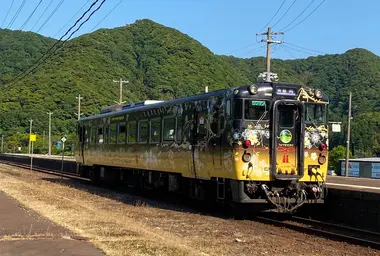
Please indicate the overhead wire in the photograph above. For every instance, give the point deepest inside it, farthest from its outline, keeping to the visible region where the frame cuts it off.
(316, 8)
(16, 14)
(285, 13)
(6, 16)
(106, 15)
(299, 15)
(51, 15)
(43, 13)
(242, 48)
(80, 9)
(298, 50)
(301, 47)
(43, 58)
(31, 15)
(273, 15)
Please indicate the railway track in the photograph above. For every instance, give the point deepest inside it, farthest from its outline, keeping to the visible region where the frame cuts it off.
(54, 172)
(326, 229)
(304, 225)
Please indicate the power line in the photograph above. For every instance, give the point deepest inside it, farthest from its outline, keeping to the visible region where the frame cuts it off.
(285, 13)
(305, 48)
(107, 15)
(80, 9)
(242, 48)
(316, 8)
(299, 15)
(16, 14)
(6, 16)
(295, 49)
(43, 13)
(51, 15)
(266, 25)
(38, 63)
(30, 16)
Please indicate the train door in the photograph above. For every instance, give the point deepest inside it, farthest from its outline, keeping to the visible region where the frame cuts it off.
(287, 144)
(217, 127)
(201, 162)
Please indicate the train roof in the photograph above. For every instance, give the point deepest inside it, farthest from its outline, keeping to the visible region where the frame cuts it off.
(114, 110)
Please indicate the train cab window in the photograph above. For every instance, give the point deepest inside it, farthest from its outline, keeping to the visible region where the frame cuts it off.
(131, 132)
(155, 130)
(255, 110)
(121, 133)
(113, 133)
(287, 114)
(169, 126)
(143, 131)
(100, 135)
(315, 113)
(238, 109)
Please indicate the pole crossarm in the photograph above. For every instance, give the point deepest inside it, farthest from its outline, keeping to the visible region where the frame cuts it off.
(121, 82)
(269, 41)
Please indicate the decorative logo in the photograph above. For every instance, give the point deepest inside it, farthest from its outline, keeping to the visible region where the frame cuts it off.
(285, 136)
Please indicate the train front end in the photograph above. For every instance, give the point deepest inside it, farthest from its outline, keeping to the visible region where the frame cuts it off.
(280, 144)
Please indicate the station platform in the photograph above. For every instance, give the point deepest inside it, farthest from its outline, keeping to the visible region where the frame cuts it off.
(24, 232)
(354, 184)
(54, 157)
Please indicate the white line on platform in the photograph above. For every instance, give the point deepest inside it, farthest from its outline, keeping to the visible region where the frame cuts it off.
(353, 186)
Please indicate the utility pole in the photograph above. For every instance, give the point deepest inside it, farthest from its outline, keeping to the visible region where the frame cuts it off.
(30, 132)
(348, 134)
(121, 82)
(269, 41)
(79, 113)
(49, 113)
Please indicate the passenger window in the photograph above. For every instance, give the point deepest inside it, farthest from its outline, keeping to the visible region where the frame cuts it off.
(179, 129)
(169, 126)
(143, 131)
(100, 135)
(93, 135)
(106, 135)
(121, 134)
(155, 130)
(132, 132)
(113, 133)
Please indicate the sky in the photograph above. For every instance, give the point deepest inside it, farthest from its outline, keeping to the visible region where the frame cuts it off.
(226, 27)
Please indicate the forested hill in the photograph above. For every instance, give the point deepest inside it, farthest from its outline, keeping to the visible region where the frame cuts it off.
(153, 57)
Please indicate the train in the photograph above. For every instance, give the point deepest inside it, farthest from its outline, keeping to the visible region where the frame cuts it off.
(262, 142)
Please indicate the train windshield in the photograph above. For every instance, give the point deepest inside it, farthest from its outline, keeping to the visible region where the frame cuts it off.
(315, 113)
(251, 109)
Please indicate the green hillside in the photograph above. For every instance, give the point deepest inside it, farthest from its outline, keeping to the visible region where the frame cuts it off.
(153, 57)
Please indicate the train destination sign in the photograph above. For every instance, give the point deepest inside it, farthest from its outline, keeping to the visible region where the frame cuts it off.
(258, 103)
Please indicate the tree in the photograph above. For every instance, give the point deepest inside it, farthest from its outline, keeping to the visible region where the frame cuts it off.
(335, 155)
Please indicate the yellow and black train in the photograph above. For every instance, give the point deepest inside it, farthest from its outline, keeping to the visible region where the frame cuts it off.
(237, 145)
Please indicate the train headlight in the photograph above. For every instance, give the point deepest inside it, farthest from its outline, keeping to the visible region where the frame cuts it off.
(318, 93)
(246, 157)
(321, 159)
(253, 89)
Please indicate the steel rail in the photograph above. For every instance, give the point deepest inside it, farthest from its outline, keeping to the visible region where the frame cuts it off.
(372, 243)
(45, 170)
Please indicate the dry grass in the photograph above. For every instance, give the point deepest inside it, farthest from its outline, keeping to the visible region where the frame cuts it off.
(120, 225)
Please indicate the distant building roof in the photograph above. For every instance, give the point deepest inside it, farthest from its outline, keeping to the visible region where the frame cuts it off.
(368, 159)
